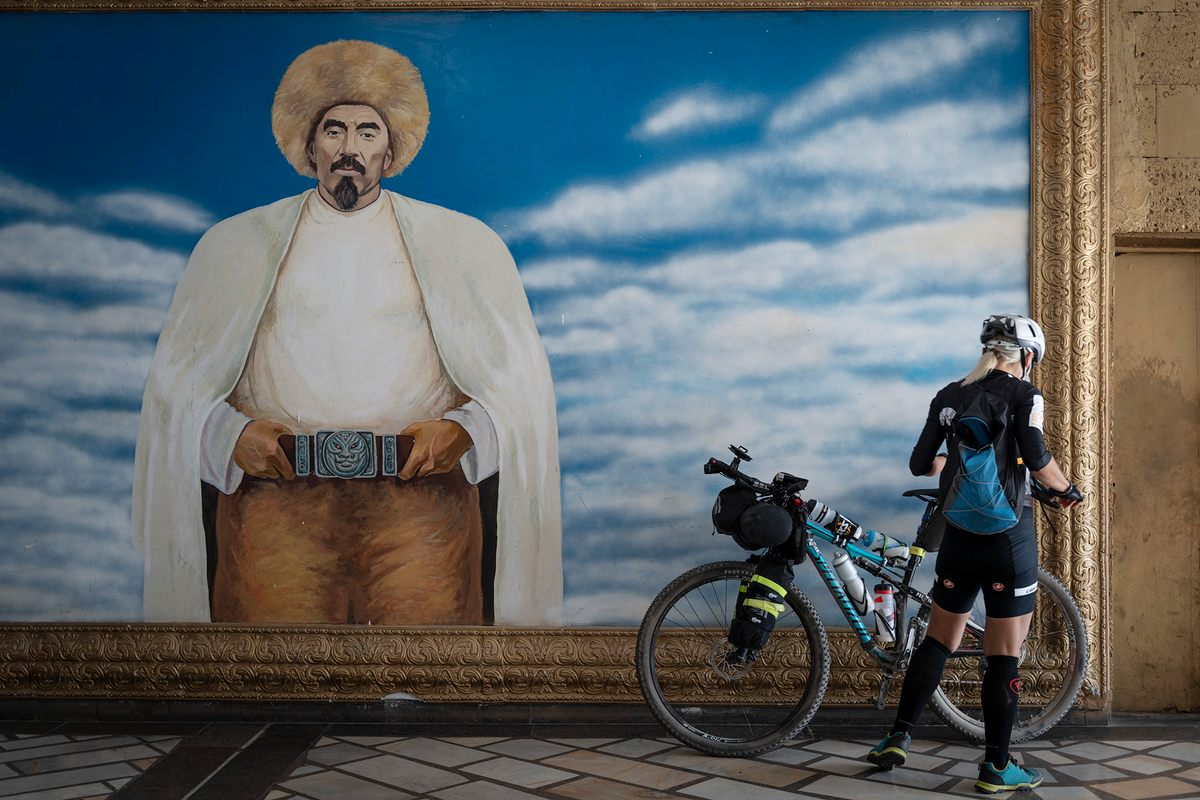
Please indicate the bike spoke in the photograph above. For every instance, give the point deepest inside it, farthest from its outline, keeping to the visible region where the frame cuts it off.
(710, 701)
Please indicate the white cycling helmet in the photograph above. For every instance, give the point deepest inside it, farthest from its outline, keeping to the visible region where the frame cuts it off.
(1015, 328)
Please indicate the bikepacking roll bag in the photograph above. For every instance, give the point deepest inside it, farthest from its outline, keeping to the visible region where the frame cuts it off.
(761, 599)
(984, 493)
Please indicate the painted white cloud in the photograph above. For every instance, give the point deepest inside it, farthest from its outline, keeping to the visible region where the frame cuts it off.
(645, 307)
(902, 62)
(938, 146)
(79, 335)
(151, 209)
(17, 195)
(696, 110)
(913, 163)
(558, 274)
(140, 207)
(86, 259)
(671, 200)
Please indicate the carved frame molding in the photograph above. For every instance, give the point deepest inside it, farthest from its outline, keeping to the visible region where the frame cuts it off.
(1069, 286)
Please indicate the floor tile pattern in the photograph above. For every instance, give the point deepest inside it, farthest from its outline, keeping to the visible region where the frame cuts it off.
(659, 769)
(58, 767)
(252, 761)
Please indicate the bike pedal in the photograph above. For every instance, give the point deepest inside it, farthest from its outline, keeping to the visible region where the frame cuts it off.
(885, 683)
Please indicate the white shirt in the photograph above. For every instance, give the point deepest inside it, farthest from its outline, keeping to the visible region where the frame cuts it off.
(344, 343)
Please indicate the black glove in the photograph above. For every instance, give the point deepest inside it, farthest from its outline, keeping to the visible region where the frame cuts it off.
(1071, 493)
(1044, 494)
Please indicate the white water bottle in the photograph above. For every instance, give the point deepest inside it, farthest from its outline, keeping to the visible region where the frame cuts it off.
(841, 526)
(885, 613)
(886, 547)
(856, 590)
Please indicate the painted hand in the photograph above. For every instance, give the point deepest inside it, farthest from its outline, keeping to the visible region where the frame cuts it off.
(258, 452)
(438, 444)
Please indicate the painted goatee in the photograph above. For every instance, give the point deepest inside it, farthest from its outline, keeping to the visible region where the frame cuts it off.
(346, 193)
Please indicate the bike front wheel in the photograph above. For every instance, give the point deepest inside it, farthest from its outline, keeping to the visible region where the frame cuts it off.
(1053, 664)
(709, 704)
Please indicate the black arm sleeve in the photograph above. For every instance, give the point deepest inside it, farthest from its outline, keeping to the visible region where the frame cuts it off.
(931, 438)
(1029, 414)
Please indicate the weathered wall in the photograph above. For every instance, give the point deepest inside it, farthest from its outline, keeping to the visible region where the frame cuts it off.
(1156, 475)
(1154, 59)
(1154, 158)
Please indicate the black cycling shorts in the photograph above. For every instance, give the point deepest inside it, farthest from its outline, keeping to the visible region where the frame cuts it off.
(1003, 565)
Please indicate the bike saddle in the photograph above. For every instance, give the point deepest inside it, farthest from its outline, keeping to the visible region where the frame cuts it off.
(924, 494)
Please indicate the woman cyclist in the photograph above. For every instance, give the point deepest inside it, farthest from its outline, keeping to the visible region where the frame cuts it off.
(1002, 565)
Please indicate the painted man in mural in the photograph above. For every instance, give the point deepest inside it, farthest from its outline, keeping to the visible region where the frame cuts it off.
(344, 367)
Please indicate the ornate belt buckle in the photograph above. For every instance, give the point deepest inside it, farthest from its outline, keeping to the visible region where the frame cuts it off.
(345, 454)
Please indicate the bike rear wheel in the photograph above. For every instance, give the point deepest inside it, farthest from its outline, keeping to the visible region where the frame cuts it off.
(709, 705)
(1053, 664)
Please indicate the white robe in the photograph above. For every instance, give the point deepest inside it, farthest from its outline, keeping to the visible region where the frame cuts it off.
(488, 344)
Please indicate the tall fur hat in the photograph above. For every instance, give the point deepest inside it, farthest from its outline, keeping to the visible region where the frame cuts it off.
(350, 72)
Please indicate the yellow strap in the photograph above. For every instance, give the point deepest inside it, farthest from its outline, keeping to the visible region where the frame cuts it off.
(770, 584)
(913, 550)
(774, 609)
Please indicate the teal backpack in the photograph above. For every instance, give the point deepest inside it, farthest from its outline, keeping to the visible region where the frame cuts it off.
(980, 452)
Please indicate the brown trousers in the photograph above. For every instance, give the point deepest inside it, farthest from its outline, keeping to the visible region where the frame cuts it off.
(381, 552)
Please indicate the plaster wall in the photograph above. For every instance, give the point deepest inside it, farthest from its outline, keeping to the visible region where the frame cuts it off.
(1154, 96)
(1156, 496)
(1154, 158)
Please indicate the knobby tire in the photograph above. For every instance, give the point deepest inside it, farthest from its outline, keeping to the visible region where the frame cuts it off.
(690, 689)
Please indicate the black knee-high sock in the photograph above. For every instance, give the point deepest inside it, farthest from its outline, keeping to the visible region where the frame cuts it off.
(1001, 688)
(920, 682)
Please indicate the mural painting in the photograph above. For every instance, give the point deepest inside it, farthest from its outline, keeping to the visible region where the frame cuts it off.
(772, 229)
(343, 367)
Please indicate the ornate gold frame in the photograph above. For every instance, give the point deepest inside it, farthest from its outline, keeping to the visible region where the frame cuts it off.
(1069, 294)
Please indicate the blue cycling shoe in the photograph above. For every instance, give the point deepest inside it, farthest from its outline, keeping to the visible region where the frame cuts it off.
(1013, 776)
(891, 752)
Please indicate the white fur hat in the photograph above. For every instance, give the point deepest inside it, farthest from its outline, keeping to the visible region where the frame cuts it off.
(350, 72)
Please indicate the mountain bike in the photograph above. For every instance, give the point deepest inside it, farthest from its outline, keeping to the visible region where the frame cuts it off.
(719, 699)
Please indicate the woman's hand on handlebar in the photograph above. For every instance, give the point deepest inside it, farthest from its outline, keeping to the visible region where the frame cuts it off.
(1066, 498)
(1058, 485)
(1070, 497)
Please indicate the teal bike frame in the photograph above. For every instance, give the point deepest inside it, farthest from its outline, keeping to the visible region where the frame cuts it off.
(876, 565)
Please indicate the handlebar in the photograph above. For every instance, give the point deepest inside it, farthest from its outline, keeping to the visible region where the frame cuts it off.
(716, 466)
(782, 483)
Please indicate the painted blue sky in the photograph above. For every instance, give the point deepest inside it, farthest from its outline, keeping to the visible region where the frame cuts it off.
(779, 229)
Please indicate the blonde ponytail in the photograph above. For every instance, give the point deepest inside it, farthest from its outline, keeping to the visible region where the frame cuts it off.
(991, 358)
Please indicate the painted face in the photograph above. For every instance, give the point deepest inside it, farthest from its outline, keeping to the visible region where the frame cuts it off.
(350, 149)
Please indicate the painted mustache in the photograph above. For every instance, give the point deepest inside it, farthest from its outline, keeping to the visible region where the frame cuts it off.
(348, 162)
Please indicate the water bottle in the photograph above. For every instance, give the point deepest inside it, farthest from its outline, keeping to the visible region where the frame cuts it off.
(853, 584)
(885, 613)
(886, 547)
(841, 526)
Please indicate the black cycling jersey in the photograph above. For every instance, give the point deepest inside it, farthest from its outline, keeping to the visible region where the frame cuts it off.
(1025, 403)
(1003, 565)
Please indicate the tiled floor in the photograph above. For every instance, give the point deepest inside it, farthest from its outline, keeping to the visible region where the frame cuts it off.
(250, 761)
(635, 769)
(49, 767)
